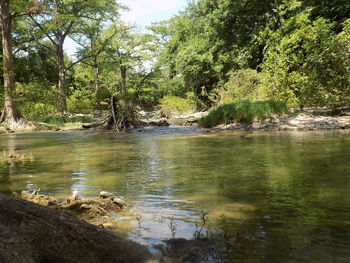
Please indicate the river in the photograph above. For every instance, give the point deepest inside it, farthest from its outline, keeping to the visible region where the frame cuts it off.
(269, 197)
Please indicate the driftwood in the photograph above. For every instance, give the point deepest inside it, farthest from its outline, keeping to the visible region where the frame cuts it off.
(93, 125)
(122, 117)
(31, 233)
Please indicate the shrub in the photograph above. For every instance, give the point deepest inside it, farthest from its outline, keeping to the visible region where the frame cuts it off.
(242, 111)
(33, 110)
(81, 101)
(172, 105)
(37, 98)
(242, 85)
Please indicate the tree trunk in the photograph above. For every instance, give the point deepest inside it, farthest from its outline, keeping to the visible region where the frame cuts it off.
(61, 76)
(31, 233)
(123, 70)
(11, 114)
(97, 87)
(97, 80)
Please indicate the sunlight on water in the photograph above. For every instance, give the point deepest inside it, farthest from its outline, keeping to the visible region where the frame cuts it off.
(271, 197)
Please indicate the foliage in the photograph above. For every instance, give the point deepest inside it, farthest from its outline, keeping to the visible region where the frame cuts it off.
(81, 101)
(210, 54)
(242, 111)
(306, 63)
(206, 42)
(242, 85)
(37, 98)
(172, 105)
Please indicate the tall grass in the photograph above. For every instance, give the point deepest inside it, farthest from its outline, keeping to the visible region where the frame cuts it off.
(242, 111)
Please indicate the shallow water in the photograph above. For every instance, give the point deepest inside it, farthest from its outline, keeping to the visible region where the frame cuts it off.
(270, 197)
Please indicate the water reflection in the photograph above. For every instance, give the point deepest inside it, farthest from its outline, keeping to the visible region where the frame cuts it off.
(270, 197)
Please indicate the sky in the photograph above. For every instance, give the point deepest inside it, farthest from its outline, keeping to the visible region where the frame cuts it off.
(142, 13)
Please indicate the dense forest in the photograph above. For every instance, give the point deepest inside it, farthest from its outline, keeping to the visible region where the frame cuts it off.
(213, 53)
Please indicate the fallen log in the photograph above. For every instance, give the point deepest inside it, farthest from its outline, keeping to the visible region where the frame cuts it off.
(32, 233)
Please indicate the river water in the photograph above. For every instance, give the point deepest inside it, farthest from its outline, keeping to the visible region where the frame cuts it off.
(269, 197)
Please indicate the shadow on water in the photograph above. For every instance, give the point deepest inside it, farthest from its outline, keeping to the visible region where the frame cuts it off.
(270, 197)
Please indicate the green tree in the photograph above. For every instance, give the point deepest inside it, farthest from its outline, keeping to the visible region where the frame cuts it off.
(306, 62)
(11, 114)
(64, 18)
(128, 50)
(211, 38)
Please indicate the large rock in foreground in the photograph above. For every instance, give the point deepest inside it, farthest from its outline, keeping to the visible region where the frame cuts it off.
(32, 233)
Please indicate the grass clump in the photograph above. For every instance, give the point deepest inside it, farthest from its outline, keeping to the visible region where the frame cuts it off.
(242, 111)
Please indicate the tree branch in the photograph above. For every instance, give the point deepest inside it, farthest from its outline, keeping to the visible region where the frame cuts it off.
(76, 62)
(68, 30)
(47, 47)
(42, 29)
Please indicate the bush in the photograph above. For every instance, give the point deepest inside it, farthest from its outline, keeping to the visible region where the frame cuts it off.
(34, 110)
(81, 101)
(37, 98)
(242, 85)
(172, 105)
(242, 111)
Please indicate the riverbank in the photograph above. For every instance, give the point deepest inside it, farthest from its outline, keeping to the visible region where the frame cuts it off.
(304, 121)
(308, 120)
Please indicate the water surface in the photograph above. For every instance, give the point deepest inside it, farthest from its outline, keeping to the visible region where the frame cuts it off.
(270, 197)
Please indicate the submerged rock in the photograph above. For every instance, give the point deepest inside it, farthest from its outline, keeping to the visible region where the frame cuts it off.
(192, 251)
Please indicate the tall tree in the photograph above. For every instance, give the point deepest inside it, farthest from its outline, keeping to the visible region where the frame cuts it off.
(127, 50)
(93, 45)
(211, 38)
(11, 114)
(63, 18)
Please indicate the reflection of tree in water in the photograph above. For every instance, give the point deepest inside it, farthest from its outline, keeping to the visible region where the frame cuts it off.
(8, 162)
(297, 185)
(11, 160)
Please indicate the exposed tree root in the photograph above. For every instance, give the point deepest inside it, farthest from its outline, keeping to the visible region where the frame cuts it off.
(31, 233)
